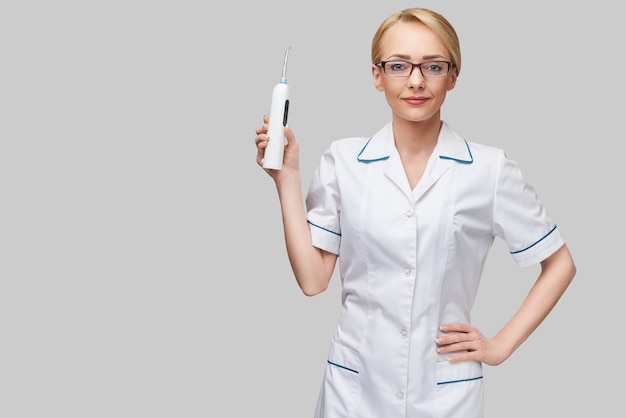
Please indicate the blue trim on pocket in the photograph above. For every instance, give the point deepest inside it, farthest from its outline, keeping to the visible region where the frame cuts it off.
(342, 367)
(459, 381)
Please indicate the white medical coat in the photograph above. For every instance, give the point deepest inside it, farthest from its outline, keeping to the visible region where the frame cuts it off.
(411, 260)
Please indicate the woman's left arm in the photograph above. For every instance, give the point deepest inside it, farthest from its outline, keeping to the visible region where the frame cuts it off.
(557, 271)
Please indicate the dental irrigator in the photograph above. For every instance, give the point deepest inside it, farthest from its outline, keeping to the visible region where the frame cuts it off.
(279, 109)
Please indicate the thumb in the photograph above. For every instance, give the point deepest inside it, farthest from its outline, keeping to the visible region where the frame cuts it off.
(290, 137)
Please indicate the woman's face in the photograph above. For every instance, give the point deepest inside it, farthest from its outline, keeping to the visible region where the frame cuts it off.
(413, 98)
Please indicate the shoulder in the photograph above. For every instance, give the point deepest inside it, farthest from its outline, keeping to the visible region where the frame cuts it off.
(365, 147)
(345, 151)
(486, 153)
(350, 145)
(341, 155)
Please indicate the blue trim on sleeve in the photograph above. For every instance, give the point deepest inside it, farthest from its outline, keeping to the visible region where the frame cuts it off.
(459, 381)
(532, 245)
(343, 367)
(325, 229)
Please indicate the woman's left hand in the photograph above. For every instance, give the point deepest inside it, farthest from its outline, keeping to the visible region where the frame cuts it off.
(472, 344)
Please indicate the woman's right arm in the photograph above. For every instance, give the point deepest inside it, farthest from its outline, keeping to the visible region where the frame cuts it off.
(311, 266)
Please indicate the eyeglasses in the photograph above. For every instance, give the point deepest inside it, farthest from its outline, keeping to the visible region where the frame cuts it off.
(429, 69)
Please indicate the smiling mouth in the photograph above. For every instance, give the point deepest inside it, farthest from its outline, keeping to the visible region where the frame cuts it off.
(415, 100)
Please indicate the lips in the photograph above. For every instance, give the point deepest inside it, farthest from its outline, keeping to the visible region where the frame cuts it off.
(415, 100)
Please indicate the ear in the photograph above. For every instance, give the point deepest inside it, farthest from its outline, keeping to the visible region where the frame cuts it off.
(377, 74)
(452, 80)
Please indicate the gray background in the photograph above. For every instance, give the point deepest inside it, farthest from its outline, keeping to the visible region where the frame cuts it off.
(142, 264)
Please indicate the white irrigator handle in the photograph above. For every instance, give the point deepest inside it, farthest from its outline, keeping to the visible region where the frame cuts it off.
(278, 113)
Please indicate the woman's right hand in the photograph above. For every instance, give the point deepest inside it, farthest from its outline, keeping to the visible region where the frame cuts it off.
(291, 159)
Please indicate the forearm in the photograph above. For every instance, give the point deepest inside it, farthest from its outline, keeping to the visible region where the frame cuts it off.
(312, 268)
(557, 273)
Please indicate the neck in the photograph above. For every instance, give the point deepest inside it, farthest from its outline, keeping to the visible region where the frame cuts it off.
(416, 137)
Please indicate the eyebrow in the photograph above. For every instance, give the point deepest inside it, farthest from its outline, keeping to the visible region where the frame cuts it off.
(408, 57)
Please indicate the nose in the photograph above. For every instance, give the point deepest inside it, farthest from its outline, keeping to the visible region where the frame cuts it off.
(416, 78)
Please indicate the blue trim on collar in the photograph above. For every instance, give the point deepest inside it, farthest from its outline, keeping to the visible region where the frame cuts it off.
(443, 157)
(535, 243)
(369, 161)
(471, 160)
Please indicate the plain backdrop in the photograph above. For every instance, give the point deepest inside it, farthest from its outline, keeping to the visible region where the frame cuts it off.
(142, 263)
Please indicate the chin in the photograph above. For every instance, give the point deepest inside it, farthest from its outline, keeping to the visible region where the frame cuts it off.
(416, 118)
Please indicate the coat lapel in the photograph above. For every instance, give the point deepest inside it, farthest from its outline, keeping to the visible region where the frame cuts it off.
(451, 149)
(381, 150)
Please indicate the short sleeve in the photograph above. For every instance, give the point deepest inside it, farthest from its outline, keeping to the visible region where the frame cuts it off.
(521, 219)
(323, 205)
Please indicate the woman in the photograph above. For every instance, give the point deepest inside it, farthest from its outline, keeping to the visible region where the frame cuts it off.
(411, 214)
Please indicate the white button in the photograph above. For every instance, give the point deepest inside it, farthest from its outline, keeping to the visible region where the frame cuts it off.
(399, 395)
(403, 333)
(409, 212)
(407, 272)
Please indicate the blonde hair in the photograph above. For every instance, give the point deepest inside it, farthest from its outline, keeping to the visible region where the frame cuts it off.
(436, 22)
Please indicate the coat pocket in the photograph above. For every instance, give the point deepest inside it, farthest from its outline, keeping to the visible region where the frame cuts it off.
(341, 382)
(460, 391)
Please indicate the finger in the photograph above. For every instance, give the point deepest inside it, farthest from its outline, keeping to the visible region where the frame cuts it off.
(456, 327)
(263, 128)
(261, 141)
(261, 145)
(259, 156)
(448, 340)
(466, 347)
(455, 338)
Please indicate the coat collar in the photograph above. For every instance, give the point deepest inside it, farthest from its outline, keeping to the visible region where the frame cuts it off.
(450, 146)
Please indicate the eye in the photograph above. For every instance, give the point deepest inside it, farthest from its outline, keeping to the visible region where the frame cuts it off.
(397, 66)
(434, 67)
